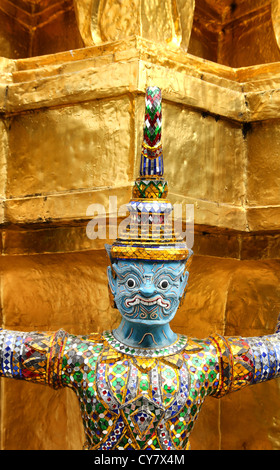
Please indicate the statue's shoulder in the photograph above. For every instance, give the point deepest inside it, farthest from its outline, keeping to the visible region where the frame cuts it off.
(196, 345)
(95, 338)
(93, 342)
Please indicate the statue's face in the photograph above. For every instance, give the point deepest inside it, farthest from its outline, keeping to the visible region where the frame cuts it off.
(147, 291)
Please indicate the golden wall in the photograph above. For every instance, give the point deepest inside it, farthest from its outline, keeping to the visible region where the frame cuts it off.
(73, 76)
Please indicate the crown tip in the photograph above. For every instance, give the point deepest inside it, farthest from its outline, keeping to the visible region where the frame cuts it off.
(152, 158)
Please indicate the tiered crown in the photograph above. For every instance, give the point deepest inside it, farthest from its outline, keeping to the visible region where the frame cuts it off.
(150, 233)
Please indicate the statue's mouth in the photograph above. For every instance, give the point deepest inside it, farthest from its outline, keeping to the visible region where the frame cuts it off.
(157, 300)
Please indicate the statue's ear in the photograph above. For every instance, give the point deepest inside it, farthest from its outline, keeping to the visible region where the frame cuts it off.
(184, 279)
(183, 285)
(111, 285)
(111, 278)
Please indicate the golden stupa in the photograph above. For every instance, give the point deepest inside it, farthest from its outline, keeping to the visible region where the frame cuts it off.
(73, 80)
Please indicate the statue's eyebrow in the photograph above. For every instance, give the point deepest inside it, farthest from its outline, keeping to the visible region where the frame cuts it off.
(138, 269)
(156, 267)
(174, 273)
(124, 270)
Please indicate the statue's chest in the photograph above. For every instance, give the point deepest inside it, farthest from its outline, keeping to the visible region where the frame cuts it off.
(142, 403)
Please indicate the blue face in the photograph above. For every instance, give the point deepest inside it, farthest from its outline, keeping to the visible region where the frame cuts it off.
(148, 292)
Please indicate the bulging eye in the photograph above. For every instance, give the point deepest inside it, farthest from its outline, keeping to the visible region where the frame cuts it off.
(163, 284)
(130, 283)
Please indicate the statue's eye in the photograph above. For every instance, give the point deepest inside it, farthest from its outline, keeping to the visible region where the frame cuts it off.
(131, 283)
(163, 284)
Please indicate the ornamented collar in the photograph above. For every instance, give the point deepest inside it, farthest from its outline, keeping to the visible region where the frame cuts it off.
(174, 348)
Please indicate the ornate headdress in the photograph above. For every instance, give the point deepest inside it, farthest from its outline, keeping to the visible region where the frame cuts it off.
(150, 232)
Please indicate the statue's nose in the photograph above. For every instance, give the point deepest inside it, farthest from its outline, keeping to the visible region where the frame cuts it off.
(147, 289)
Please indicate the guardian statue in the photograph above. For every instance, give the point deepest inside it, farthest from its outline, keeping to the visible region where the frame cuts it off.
(141, 386)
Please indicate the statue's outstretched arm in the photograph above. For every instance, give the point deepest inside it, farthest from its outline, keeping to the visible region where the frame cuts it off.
(247, 361)
(35, 356)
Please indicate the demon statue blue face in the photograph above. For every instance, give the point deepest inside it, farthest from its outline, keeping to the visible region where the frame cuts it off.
(148, 291)
(147, 294)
